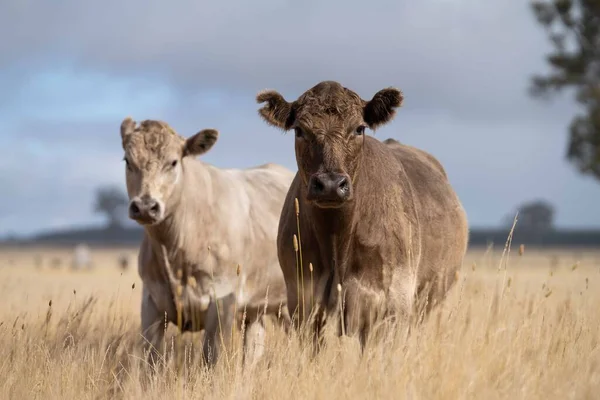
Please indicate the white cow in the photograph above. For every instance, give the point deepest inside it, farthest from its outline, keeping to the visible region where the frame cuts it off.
(199, 223)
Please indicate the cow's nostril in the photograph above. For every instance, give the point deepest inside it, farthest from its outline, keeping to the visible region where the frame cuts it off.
(318, 185)
(134, 209)
(155, 208)
(343, 185)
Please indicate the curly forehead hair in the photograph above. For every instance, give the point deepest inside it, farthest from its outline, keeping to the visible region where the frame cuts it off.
(151, 135)
(329, 98)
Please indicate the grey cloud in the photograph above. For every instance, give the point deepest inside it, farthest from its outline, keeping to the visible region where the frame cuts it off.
(68, 136)
(463, 66)
(53, 192)
(466, 57)
(51, 172)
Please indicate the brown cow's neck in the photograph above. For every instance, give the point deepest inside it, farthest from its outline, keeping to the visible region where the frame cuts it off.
(333, 221)
(335, 229)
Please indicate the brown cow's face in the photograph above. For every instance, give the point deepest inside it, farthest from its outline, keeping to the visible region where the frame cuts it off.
(329, 122)
(328, 150)
(153, 168)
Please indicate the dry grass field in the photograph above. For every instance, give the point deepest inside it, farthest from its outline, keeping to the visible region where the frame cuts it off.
(530, 330)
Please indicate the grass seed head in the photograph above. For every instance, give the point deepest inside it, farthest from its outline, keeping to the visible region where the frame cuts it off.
(295, 243)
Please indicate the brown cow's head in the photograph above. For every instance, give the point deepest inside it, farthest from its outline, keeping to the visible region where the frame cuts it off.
(329, 121)
(153, 154)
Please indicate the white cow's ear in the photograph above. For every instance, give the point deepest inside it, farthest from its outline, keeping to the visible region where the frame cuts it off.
(201, 142)
(127, 128)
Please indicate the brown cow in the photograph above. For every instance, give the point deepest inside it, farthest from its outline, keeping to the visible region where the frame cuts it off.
(378, 220)
(199, 223)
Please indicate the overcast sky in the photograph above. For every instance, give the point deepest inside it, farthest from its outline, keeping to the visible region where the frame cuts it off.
(70, 71)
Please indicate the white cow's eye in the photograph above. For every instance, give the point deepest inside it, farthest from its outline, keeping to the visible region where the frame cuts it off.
(127, 163)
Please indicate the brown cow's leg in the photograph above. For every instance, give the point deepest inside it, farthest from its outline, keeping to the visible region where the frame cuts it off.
(217, 333)
(361, 309)
(292, 307)
(316, 328)
(432, 294)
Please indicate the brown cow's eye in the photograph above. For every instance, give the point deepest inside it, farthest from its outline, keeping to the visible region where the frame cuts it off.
(298, 132)
(173, 163)
(360, 130)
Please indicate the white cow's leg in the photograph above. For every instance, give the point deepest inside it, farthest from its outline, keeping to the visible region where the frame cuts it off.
(153, 329)
(217, 328)
(254, 341)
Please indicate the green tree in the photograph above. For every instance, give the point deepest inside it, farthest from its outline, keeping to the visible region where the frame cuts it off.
(110, 200)
(536, 216)
(573, 27)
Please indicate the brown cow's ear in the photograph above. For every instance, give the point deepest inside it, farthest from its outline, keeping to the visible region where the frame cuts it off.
(277, 112)
(382, 107)
(200, 143)
(127, 128)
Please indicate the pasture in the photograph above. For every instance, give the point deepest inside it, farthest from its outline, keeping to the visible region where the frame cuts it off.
(519, 327)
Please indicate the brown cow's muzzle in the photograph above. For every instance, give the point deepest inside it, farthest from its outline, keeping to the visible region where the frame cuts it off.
(145, 210)
(329, 190)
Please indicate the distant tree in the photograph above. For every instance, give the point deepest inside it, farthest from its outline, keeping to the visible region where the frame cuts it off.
(111, 201)
(535, 217)
(573, 27)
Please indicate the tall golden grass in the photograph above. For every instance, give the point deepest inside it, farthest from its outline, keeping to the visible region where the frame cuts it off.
(527, 330)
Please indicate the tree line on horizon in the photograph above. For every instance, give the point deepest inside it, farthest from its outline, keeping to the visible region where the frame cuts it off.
(535, 226)
(535, 216)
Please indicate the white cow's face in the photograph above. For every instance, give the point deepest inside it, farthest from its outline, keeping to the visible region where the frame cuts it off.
(153, 168)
